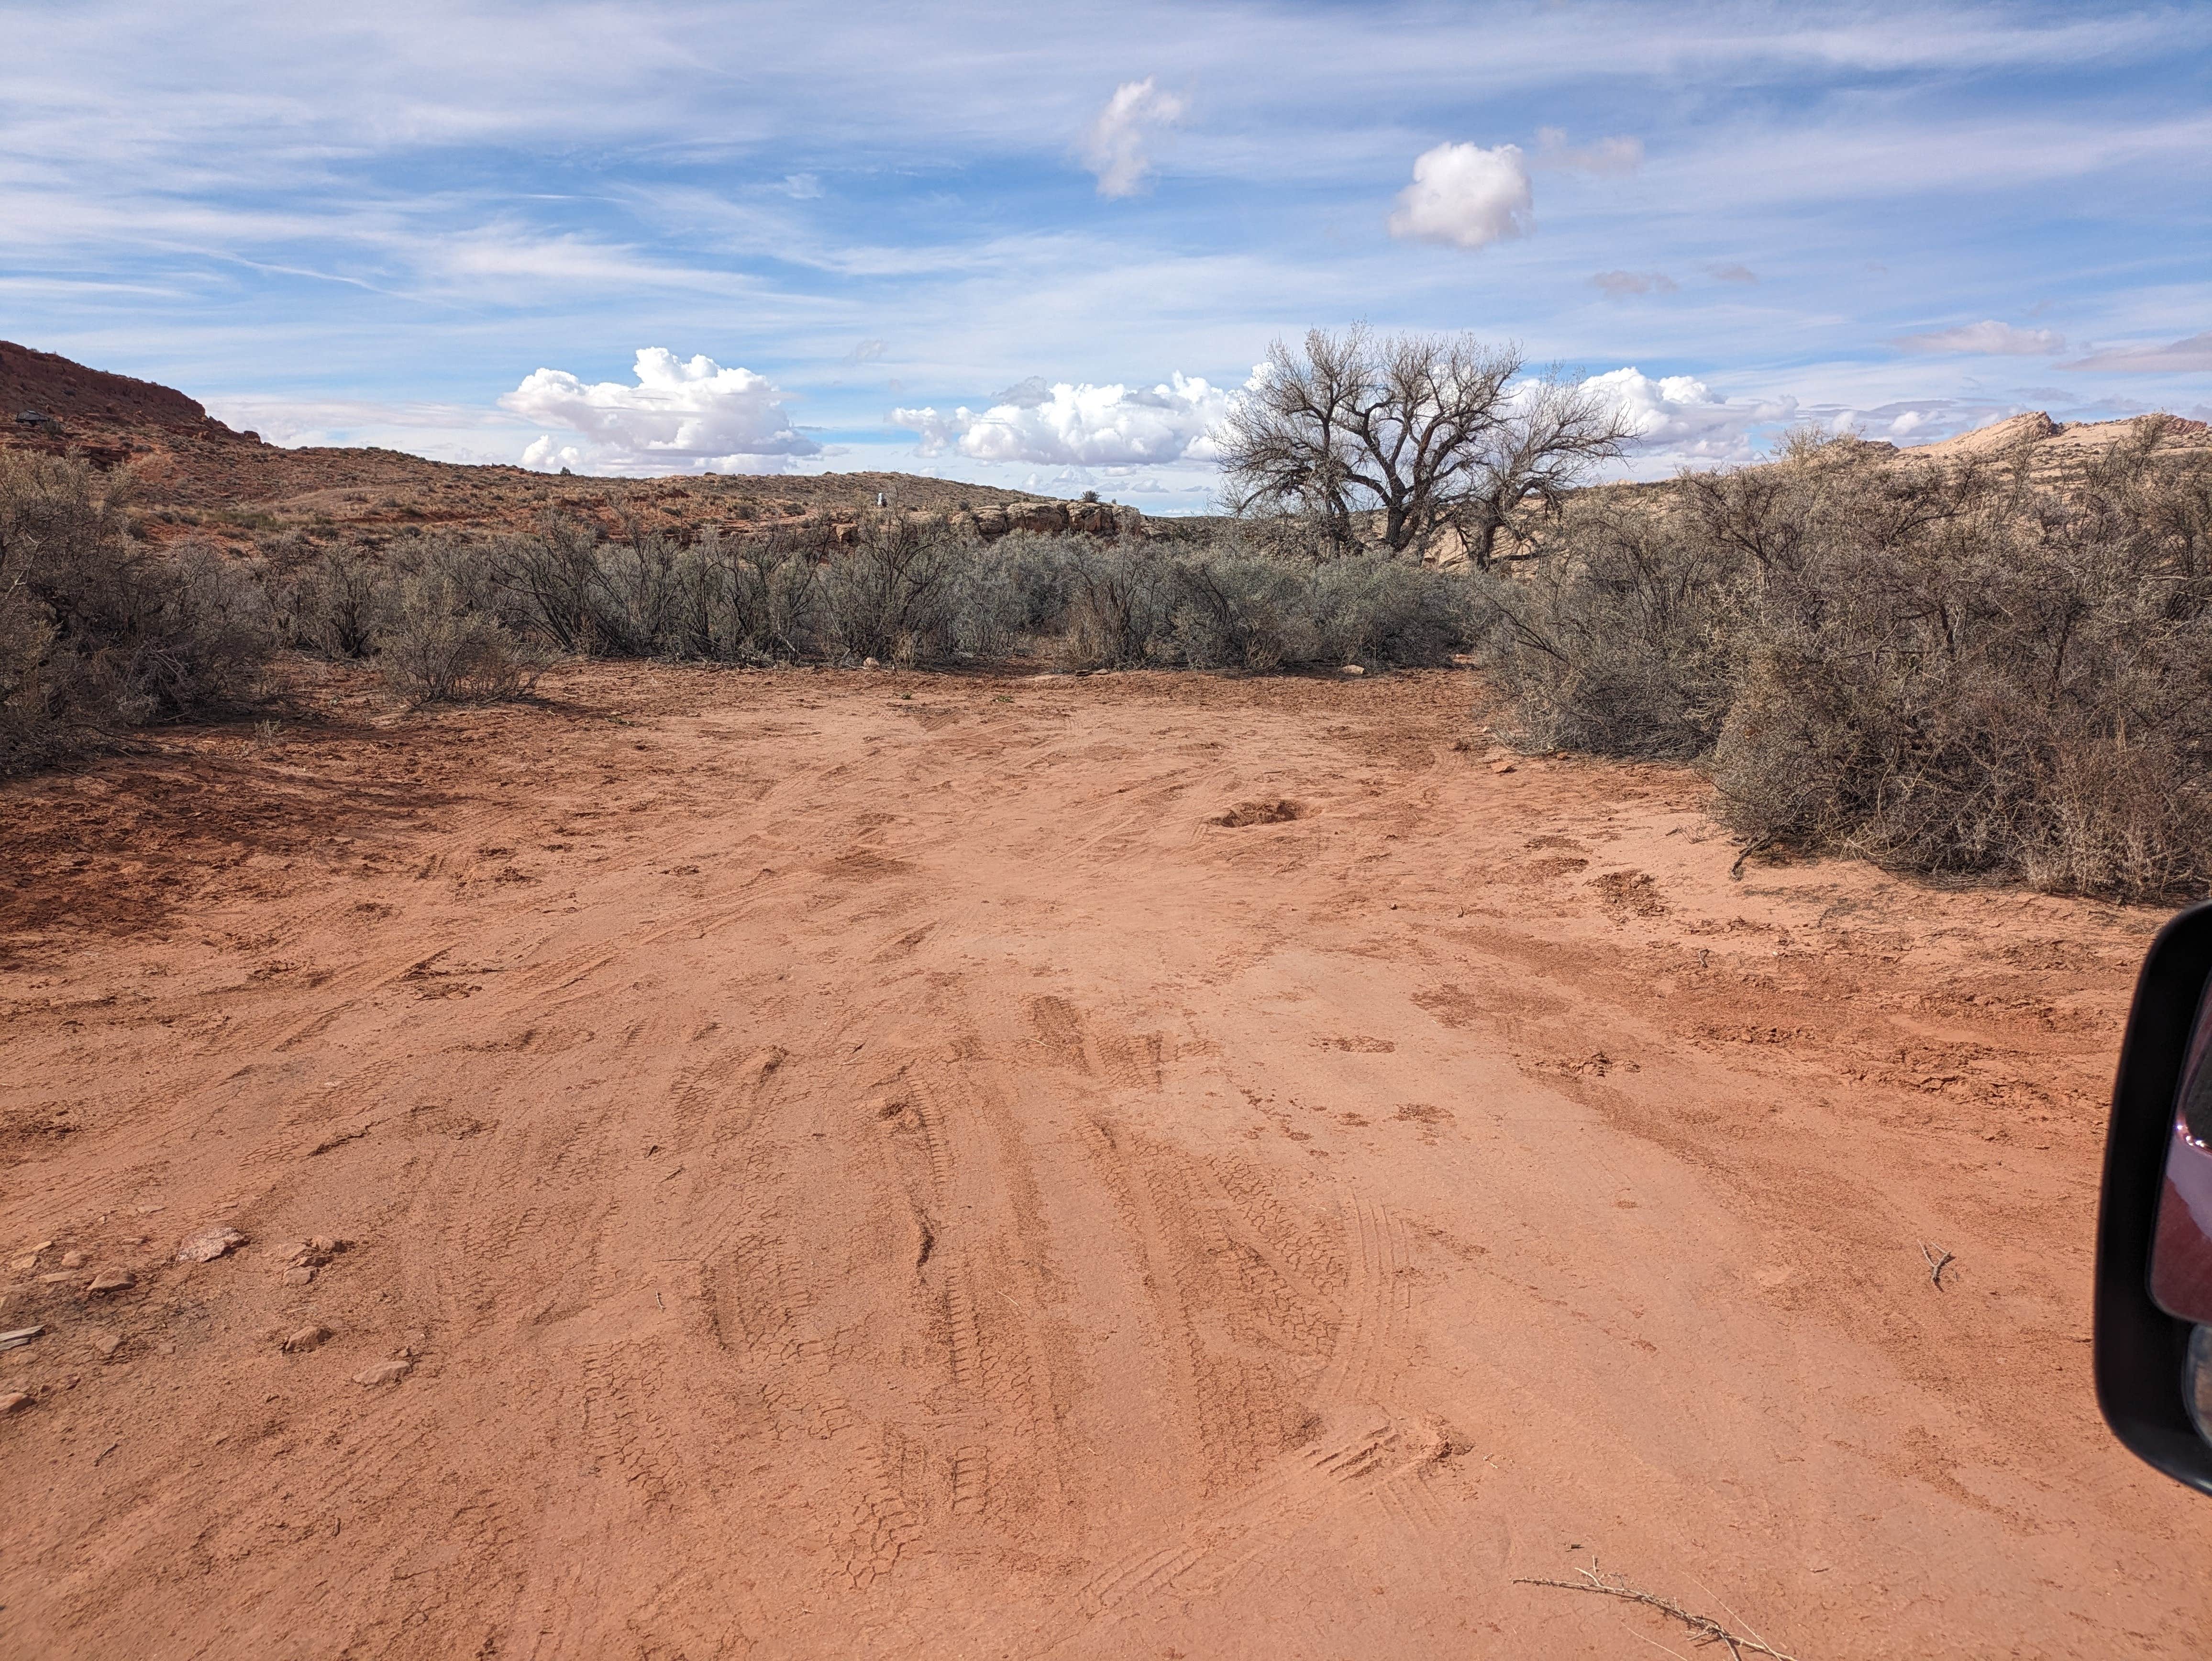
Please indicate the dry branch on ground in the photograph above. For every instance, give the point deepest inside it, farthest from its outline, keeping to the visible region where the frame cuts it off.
(1704, 1628)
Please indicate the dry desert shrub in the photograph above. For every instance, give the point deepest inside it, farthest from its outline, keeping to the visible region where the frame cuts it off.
(446, 641)
(616, 598)
(751, 598)
(100, 633)
(1622, 639)
(1232, 605)
(1240, 612)
(1953, 671)
(1377, 608)
(892, 595)
(1120, 608)
(908, 591)
(339, 607)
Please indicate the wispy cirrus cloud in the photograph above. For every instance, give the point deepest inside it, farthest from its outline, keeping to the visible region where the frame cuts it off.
(1605, 158)
(414, 205)
(1624, 285)
(1989, 338)
(1118, 146)
(2190, 356)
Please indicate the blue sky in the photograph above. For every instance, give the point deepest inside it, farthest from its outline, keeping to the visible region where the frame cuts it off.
(1041, 246)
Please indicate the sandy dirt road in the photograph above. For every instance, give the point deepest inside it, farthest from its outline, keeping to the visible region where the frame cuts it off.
(864, 1166)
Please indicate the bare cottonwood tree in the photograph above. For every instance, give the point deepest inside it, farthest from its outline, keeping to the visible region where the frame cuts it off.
(1428, 431)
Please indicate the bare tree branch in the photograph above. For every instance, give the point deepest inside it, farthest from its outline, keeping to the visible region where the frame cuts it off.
(1431, 432)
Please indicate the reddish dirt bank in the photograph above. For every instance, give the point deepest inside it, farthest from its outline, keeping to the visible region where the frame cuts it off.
(848, 1173)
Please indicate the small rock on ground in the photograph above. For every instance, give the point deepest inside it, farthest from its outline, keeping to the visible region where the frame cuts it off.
(312, 1252)
(209, 1244)
(13, 1401)
(305, 1339)
(106, 1342)
(113, 1279)
(384, 1372)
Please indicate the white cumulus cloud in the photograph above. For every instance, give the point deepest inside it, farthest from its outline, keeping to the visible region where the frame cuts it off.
(1466, 196)
(1066, 424)
(1989, 338)
(682, 416)
(1678, 419)
(1116, 147)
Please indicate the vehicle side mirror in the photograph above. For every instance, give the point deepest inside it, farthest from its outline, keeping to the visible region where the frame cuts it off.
(2153, 1347)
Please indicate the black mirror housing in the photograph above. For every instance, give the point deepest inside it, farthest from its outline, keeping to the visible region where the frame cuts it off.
(2141, 1354)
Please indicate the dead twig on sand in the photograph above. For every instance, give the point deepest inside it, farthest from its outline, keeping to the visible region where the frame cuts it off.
(1938, 1259)
(1706, 1629)
(339, 1139)
(1736, 870)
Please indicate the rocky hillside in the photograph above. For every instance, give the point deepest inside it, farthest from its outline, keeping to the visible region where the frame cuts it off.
(49, 403)
(47, 393)
(195, 475)
(2052, 448)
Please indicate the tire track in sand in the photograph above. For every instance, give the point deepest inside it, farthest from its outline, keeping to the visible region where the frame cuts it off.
(1221, 1246)
(980, 1256)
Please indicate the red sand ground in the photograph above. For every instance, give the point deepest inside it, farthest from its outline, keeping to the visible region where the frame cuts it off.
(854, 1173)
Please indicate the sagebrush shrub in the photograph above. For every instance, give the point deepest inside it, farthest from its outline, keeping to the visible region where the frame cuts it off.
(892, 595)
(99, 632)
(339, 605)
(1623, 639)
(441, 647)
(1372, 608)
(1951, 670)
(1232, 612)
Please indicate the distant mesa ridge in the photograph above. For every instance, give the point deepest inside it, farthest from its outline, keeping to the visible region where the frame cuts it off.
(196, 476)
(2058, 443)
(33, 382)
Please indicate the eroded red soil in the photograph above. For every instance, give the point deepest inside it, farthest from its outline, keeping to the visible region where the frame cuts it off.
(865, 1166)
